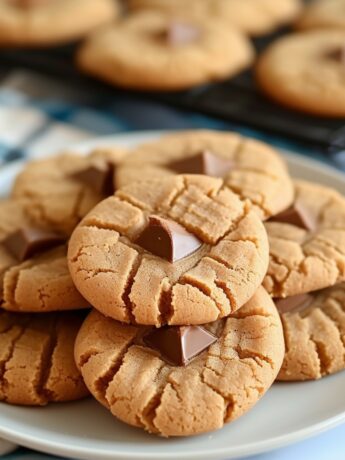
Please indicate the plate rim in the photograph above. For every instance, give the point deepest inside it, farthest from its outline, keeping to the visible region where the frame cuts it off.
(56, 448)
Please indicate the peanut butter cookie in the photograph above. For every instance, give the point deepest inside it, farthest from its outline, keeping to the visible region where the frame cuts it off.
(232, 363)
(153, 51)
(306, 72)
(59, 191)
(50, 22)
(36, 358)
(251, 169)
(307, 242)
(314, 329)
(178, 250)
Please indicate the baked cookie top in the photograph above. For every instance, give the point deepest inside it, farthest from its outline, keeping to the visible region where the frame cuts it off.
(177, 250)
(34, 276)
(306, 71)
(251, 169)
(307, 242)
(322, 14)
(37, 362)
(254, 17)
(153, 51)
(314, 330)
(219, 385)
(48, 22)
(59, 191)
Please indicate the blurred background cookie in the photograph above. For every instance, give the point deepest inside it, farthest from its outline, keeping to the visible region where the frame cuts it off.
(306, 71)
(321, 14)
(154, 51)
(38, 23)
(254, 17)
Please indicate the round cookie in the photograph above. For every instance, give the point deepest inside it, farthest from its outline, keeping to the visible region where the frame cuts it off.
(36, 356)
(251, 168)
(314, 330)
(152, 51)
(306, 72)
(307, 242)
(49, 22)
(323, 14)
(138, 385)
(254, 17)
(36, 282)
(201, 250)
(59, 191)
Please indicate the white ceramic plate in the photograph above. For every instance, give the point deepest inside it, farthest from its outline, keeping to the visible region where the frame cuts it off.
(85, 430)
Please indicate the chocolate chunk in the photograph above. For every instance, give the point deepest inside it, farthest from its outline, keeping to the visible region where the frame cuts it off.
(204, 162)
(27, 242)
(167, 239)
(178, 345)
(337, 54)
(296, 215)
(99, 177)
(180, 33)
(294, 303)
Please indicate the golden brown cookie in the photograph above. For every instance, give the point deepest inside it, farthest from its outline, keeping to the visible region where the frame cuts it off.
(152, 51)
(307, 242)
(252, 169)
(138, 385)
(178, 250)
(321, 14)
(254, 17)
(36, 358)
(34, 276)
(50, 22)
(60, 190)
(314, 329)
(306, 72)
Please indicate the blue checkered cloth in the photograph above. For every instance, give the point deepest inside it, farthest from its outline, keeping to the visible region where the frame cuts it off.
(39, 116)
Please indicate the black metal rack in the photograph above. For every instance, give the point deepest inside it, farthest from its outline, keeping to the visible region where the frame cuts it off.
(237, 100)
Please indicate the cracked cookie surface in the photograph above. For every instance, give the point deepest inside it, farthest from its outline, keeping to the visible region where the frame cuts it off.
(255, 17)
(305, 71)
(257, 172)
(315, 336)
(217, 387)
(43, 22)
(36, 358)
(113, 273)
(300, 260)
(53, 197)
(39, 284)
(134, 53)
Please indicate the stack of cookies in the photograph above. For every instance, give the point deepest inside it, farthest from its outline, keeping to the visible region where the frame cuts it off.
(208, 271)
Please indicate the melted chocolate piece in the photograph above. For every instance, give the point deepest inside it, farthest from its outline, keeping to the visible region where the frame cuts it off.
(99, 177)
(180, 33)
(337, 54)
(204, 162)
(294, 303)
(296, 215)
(167, 239)
(178, 345)
(26, 242)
